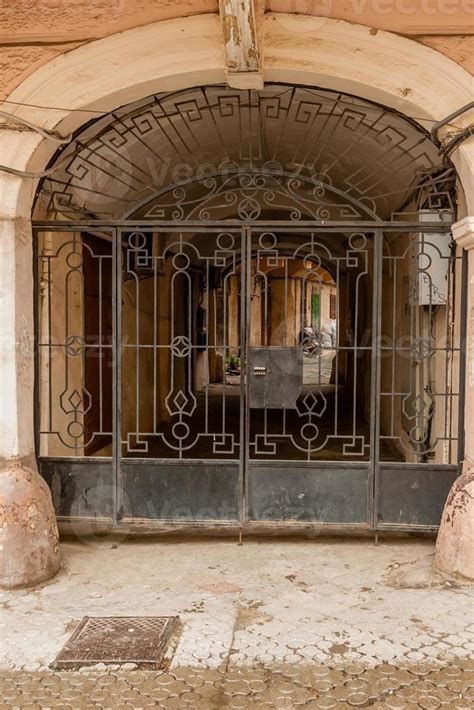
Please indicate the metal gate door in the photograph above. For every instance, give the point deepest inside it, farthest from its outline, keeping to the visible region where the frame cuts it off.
(181, 329)
(354, 370)
(250, 374)
(311, 376)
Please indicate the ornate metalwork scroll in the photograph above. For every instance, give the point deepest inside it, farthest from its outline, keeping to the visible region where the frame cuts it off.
(215, 321)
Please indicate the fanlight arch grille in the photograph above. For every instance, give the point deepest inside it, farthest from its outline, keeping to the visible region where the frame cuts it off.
(285, 152)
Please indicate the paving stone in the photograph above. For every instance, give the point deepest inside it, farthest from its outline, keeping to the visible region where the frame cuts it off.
(358, 699)
(394, 702)
(461, 703)
(428, 702)
(238, 687)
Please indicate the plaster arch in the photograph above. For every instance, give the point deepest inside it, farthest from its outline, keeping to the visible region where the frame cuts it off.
(185, 52)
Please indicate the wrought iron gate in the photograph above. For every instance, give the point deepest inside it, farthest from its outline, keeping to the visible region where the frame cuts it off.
(250, 373)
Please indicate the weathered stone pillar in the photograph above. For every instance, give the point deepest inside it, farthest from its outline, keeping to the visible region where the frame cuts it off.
(29, 551)
(455, 544)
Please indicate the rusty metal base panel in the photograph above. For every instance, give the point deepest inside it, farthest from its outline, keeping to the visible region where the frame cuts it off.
(141, 640)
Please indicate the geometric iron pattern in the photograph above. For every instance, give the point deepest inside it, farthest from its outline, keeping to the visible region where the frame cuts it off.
(211, 153)
(173, 412)
(75, 347)
(421, 354)
(179, 361)
(314, 428)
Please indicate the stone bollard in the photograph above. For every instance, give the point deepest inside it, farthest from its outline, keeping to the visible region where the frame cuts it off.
(455, 543)
(29, 543)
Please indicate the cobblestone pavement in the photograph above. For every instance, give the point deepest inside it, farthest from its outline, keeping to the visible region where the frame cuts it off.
(282, 624)
(285, 686)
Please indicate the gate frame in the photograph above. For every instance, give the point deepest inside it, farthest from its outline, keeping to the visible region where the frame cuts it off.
(246, 227)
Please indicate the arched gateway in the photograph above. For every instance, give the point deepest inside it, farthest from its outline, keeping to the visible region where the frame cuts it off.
(248, 312)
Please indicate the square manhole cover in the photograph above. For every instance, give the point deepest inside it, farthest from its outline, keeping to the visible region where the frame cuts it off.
(143, 640)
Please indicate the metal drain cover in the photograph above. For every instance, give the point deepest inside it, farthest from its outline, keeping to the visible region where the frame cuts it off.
(142, 640)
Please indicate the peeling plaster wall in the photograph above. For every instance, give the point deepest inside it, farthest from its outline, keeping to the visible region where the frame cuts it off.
(32, 34)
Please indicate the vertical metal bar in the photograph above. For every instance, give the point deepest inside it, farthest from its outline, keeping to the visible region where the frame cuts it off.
(355, 351)
(393, 346)
(156, 320)
(246, 242)
(462, 355)
(451, 310)
(66, 332)
(137, 342)
(207, 378)
(227, 290)
(338, 341)
(448, 361)
(375, 380)
(286, 300)
(414, 378)
(50, 350)
(117, 367)
(101, 349)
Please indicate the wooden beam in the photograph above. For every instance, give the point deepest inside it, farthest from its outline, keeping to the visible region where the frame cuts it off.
(242, 55)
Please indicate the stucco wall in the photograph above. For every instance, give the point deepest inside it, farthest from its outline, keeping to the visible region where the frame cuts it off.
(33, 33)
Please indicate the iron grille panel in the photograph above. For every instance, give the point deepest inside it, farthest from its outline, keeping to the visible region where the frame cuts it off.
(400, 327)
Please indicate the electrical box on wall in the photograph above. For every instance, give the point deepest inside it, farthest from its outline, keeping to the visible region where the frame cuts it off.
(431, 260)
